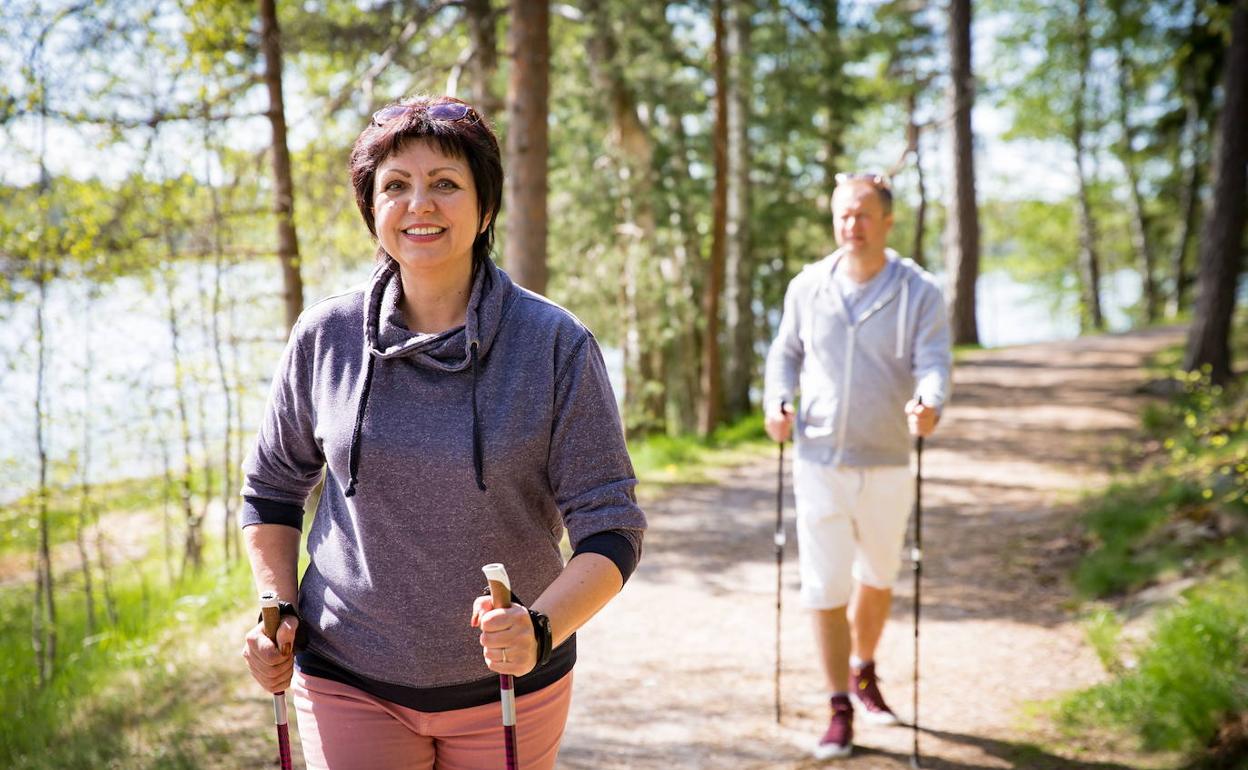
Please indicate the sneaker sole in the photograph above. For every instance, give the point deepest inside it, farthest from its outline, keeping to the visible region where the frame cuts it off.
(832, 751)
(874, 717)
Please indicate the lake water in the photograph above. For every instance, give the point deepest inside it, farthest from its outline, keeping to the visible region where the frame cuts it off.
(130, 399)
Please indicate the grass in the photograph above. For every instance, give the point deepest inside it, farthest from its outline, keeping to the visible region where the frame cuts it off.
(1183, 513)
(1185, 507)
(113, 687)
(661, 460)
(1176, 691)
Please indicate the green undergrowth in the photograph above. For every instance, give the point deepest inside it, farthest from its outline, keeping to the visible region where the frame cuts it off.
(19, 531)
(121, 681)
(1166, 577)
(661, 460)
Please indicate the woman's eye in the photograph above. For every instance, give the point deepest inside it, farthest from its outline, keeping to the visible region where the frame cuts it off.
(393, 185)
(445, 184)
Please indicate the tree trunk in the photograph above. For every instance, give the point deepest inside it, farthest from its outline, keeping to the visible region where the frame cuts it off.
(1190, 197)
(283, 185)
(962, 257)
(680, 275)
(84, 483)
(484, 62)
(44, 625)
(527, 143)
(1221, 241)
(632, 153)
(709, 414)
(229, 495)
(739, 263)
(914, 136)
(1140, 237)
(1089, 261)
(192, 538)
(836, 87)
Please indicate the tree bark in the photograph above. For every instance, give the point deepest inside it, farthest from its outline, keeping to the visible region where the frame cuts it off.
(632, 154)
(1140, 236)
(283, 185)
(710, 407)
(1221, 241)
(44, 626)
(914, 137)
(484, 62)
(1189, 200)
(962, 256)
(739, 264)
(528, 97)
(1089, 260)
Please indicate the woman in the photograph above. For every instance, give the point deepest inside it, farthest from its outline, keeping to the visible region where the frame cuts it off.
(460, 420)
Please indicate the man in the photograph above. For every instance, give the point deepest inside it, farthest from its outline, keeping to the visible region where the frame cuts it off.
(865, 341)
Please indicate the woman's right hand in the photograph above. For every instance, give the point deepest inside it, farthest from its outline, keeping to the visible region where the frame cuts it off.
(271, 664)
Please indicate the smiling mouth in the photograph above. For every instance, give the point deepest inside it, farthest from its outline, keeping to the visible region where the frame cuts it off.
(423, 230)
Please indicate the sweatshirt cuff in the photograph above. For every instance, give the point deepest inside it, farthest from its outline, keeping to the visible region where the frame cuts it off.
(258, 510)
(616, 546)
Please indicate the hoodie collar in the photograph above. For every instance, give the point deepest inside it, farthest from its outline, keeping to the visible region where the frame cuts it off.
(386, 336)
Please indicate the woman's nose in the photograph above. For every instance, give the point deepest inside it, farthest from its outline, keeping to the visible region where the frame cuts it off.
(421, 200)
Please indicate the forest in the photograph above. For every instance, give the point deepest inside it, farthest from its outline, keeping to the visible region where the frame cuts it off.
(174, 192)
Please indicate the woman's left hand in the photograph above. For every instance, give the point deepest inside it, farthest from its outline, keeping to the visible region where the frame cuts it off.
(507, 638)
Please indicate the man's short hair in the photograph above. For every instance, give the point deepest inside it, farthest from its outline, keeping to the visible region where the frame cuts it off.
(880, 183)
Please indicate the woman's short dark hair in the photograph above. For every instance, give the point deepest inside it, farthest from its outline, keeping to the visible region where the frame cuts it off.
(468, 138)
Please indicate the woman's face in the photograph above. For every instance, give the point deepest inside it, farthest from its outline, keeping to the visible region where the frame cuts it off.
(425, 209)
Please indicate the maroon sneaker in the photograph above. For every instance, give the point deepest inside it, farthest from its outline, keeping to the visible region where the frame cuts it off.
(865, 688)
(838, 741)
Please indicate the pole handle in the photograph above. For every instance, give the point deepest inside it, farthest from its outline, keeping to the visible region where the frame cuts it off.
(271, 615)
(500, 585)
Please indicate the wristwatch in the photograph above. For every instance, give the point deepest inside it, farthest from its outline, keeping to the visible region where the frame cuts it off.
(541, 632)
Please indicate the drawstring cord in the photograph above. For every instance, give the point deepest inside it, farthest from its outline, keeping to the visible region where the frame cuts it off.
(478, 459)
(353, 463)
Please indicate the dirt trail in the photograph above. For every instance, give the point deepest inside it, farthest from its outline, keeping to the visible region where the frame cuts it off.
(677, 672)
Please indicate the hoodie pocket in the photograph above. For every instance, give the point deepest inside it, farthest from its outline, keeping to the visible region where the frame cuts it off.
(819, 417)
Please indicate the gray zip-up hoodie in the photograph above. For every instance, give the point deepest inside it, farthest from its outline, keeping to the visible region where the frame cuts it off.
(856, 376)
(442, 453)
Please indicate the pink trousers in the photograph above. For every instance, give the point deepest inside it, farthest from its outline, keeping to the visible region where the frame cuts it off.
(342, 728)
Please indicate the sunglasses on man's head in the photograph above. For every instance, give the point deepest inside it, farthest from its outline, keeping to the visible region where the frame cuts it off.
(876, 180)
(447, 111)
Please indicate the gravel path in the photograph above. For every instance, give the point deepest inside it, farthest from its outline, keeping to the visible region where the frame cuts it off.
(677, 672)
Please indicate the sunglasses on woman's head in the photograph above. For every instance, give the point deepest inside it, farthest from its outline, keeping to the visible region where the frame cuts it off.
(447, 111)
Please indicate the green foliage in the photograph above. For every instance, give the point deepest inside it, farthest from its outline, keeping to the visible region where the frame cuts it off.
(662, 460)
(1187, 507)
(88, 716)
(1186, 682)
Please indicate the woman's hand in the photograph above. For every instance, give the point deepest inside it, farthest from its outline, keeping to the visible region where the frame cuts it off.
(507, 638)
(271, 664)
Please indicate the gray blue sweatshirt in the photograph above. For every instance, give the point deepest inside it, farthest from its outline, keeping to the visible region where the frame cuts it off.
(855, 372)
(441, 453)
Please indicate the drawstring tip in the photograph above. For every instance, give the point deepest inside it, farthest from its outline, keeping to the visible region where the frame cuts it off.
(350, 491)
(480, 484)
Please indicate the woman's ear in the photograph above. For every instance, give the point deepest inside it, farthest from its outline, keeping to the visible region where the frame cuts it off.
(485, 222)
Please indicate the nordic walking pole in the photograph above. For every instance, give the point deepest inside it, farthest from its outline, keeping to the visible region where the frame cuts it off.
(272, 618)
(916, 557)
(779, 539)
(500, 597)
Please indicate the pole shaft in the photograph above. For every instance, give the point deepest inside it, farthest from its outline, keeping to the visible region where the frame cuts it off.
(918, 575)
(272, 617)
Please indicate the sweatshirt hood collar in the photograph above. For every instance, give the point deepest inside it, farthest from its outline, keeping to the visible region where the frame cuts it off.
(386, 336)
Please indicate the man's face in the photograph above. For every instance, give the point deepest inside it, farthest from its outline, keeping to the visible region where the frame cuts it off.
(858, 219)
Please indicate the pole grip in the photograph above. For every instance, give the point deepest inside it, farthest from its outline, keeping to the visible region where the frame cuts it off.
(271, 614)
(500, 585)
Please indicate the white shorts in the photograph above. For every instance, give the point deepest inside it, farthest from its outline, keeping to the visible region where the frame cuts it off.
(851, 525)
